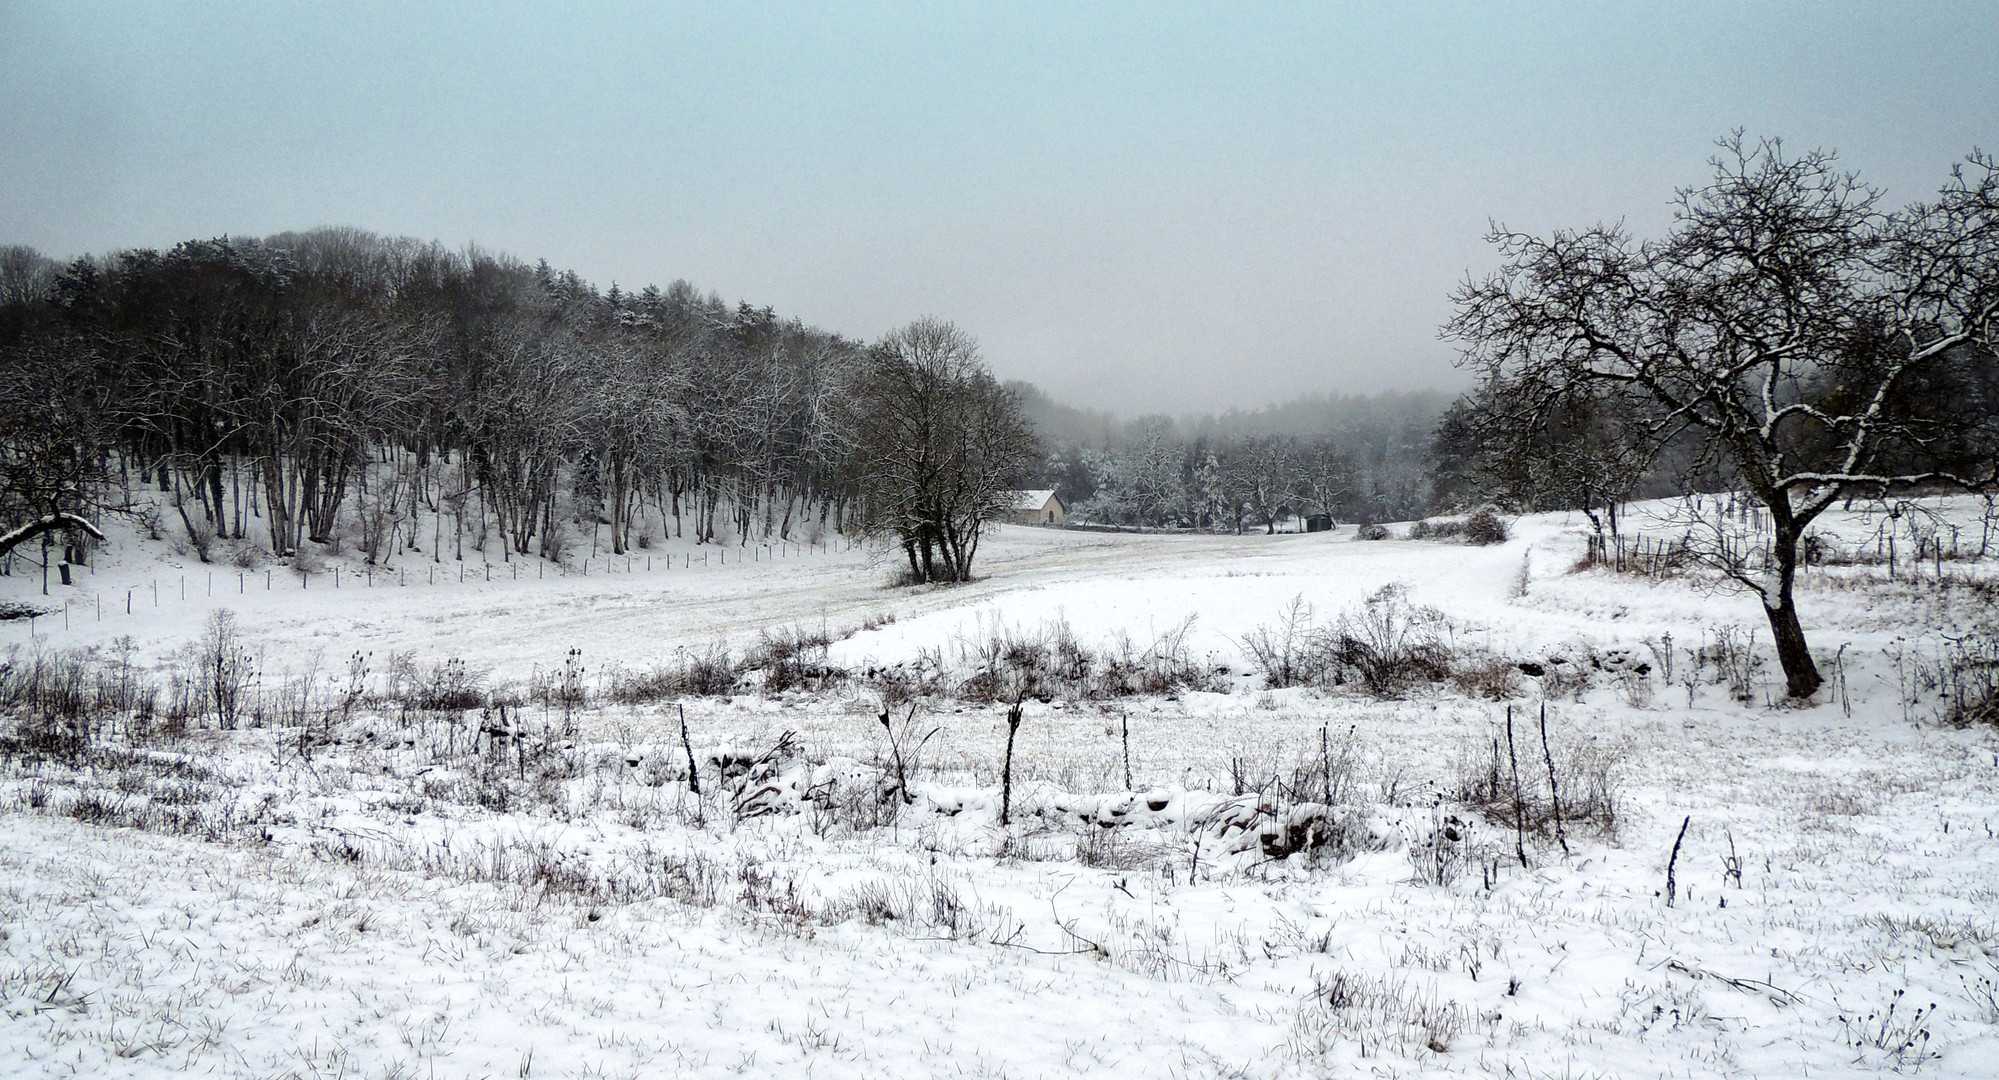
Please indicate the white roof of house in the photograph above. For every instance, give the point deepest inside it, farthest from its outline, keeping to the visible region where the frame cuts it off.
(1032, 500)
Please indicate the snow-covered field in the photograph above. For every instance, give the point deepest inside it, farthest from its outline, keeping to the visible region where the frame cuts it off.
(354, 887)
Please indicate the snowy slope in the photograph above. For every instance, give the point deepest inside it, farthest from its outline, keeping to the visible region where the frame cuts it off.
(351, 909)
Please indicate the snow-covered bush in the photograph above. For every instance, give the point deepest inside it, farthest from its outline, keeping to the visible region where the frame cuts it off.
(1385, 647)
(446, 686)
(689, 674)
(1481, 528)
(1485, 528)
(1957, 683)
(1286, 650)
(1389, 645)
(1008, 663)
(215, 675)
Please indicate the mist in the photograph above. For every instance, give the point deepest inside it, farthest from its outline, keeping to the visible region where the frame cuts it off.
(1169, 209)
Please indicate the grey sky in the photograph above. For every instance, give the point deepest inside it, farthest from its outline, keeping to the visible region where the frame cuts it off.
(1152, 206)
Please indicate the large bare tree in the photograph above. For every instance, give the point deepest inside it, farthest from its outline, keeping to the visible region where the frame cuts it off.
(1800, 331)
(939, 447)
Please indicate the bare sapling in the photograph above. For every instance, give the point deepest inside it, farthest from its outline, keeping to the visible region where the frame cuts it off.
(1006, 770)
(693, 774)
(1554, 788)
(1124, 718)
(1326, 759)
(895, 747)
(1519, 806)
(1731, 867)
(1672, 887)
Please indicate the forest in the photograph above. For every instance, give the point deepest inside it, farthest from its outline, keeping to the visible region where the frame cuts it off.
(341, 388)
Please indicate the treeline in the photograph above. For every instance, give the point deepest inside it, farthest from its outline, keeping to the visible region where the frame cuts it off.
(335, 385)
(339, 388)
(1354, 457)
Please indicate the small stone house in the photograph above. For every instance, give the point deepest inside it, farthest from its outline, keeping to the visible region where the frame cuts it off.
(1037, 508)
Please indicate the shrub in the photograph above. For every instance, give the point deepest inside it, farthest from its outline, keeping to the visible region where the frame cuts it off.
(1010, 663)
(1585, 774)
(200, 540)
(689, 674)
(1286, 652)
(1388, 644)
(905, 577)
(1491, 677)
(792, 658)
(218, 671)
(444, 687)
(1386, 647)
(1370, 531)
(1968, 680)
(1485, 528)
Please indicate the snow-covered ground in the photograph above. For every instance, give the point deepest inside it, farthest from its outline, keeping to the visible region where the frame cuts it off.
(367, 891)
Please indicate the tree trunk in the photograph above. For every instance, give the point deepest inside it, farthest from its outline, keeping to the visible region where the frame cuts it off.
(1801, 675)
(617, 504)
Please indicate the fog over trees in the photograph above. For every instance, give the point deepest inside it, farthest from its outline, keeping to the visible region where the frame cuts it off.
(1354, 457)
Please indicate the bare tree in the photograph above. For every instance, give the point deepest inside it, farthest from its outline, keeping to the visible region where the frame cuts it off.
(940, 446)
(1785, 320)
(1574, 451)
(51, 432)
(25, 274)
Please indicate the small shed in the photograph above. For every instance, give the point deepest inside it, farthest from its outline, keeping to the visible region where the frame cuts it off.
(1319, 523)
(1037, 508)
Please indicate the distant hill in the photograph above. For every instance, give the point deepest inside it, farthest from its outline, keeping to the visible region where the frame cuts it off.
(1307, 417)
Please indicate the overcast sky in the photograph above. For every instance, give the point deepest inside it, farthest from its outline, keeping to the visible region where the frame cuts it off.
(1139, 207)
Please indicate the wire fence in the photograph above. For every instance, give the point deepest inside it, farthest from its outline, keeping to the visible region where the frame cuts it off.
(100, 604)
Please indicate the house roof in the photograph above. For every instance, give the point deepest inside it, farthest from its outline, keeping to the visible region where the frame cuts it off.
(1032, 500)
